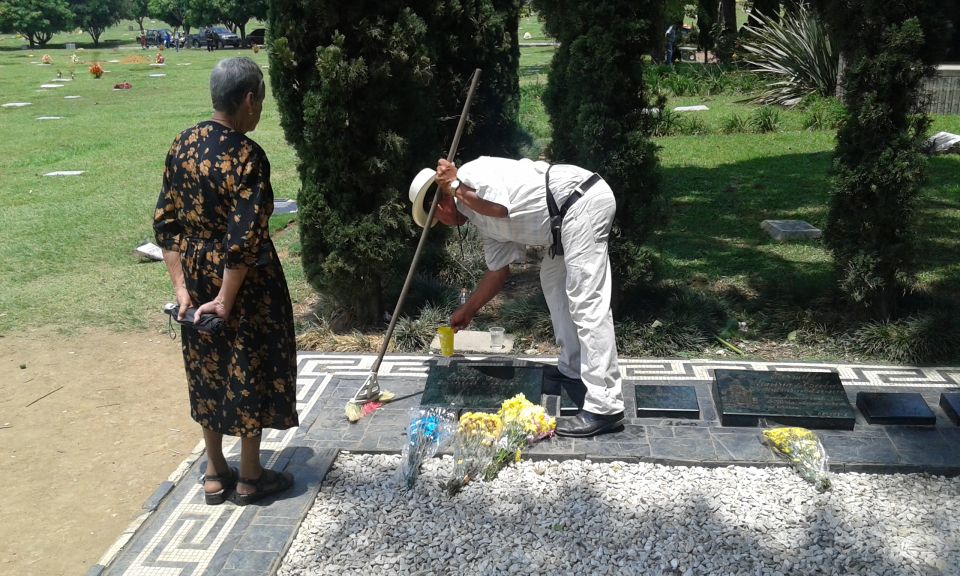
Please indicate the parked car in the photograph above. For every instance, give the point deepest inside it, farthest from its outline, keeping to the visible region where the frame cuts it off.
(256, 36)
(155, 37)
(221, 37)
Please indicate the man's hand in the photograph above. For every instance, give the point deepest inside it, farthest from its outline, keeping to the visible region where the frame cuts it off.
(461, 318)
(446, 173)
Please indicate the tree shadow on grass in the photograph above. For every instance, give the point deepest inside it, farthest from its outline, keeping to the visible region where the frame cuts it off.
(714, 231)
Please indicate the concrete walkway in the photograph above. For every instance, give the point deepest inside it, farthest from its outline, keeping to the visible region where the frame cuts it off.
(177, 534)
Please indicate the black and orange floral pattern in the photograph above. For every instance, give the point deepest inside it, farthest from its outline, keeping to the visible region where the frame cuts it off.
(214, 209)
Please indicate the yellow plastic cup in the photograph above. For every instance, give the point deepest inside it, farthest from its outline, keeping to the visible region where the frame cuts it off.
(446, 340)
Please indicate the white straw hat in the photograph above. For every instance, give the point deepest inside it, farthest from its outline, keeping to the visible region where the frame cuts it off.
(422, 184)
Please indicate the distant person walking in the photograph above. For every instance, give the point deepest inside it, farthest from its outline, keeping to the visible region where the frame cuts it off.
(212, 221)
(671, 37)
(211, 42)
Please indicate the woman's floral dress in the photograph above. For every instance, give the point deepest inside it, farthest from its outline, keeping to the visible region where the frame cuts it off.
(214, 210)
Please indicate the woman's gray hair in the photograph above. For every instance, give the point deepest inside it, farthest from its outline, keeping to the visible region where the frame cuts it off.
(231, 80)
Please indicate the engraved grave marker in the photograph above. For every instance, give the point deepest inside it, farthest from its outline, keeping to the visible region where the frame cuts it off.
(480, 386)
(808, 399)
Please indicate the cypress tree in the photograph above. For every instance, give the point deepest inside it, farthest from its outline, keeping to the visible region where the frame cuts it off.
(363, 88)
(878, 163)
(596, 100)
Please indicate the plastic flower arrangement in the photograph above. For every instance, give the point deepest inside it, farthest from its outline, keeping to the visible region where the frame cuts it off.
(160, 59)
(429, 430)
(523, 424)
(46, 59)
(473, 448)
(803, 450)
(96, 70)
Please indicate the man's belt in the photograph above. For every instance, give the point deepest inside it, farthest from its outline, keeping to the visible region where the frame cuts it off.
(557, 213)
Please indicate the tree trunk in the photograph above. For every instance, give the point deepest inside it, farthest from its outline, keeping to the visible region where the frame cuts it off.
(658, 21)
(95, 33)
(728, 15)
(840, 93)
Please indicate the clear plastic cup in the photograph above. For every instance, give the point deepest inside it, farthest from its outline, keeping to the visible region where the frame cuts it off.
(496, 337)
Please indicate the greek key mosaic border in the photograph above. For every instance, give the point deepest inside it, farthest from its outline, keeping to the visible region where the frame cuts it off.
(190, 537)
(654, 370)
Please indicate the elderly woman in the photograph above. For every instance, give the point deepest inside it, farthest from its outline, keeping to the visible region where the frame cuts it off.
(212, 222)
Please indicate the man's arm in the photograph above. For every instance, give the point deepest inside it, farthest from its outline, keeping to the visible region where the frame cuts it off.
(488, 287)
(468, 197)
(447, 173)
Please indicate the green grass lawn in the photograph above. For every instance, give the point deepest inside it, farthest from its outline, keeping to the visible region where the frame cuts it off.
(66, 244)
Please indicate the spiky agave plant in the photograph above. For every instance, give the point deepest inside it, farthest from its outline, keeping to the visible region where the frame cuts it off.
(795, 53)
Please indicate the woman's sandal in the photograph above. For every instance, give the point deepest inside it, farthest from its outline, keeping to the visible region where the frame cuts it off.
(228, 481)
(269, 482)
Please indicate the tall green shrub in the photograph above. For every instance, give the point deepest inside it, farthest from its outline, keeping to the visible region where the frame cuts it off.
(369, 93)
(878, 165)
(596, 98)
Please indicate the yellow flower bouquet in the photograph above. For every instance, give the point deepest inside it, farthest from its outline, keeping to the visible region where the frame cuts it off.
(523, 424)
(803, 450)
(473, 448)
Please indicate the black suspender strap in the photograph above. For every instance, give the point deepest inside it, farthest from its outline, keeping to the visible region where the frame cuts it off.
(557, 213)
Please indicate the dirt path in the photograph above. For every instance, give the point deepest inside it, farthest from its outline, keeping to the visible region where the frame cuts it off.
(80, 462)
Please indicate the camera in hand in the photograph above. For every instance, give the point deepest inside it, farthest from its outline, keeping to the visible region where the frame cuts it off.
(209, 323)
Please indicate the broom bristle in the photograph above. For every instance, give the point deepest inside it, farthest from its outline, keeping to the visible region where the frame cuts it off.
(353, 411)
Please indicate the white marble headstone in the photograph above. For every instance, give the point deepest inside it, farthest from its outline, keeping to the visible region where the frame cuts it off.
(65, 173)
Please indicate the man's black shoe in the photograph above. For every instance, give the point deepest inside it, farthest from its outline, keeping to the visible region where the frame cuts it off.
(554, 382)
(587, 424)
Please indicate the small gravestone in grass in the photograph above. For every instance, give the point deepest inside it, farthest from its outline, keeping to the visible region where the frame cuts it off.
(65, 173)
(17, 104)
(786, 230)
(943, 143)
(49, 117)
(285, 207)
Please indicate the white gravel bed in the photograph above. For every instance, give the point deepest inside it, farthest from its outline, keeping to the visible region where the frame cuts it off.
(585, 518)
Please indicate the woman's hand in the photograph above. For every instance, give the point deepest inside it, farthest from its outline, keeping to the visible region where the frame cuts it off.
(183, 300)
(217, 307)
